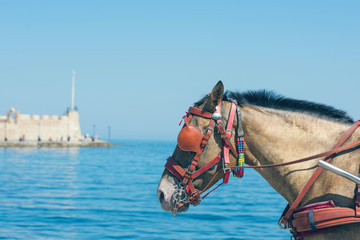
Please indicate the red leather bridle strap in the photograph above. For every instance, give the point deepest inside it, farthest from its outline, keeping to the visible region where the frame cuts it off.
(226, 138)
(196, 159)
(206, 167)
(174, 168)
(179, 172)
(200, 112)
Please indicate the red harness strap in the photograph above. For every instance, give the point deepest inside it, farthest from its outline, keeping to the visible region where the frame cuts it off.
(357, 200)
(311, 219)
(174, 168)
(179, 172)
(227, 144)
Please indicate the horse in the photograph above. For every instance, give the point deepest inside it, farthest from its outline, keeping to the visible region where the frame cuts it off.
(274, 130)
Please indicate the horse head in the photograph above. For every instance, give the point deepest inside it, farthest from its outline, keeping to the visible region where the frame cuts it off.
(201, 156)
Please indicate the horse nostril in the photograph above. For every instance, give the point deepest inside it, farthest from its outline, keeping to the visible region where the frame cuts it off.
(161, 196)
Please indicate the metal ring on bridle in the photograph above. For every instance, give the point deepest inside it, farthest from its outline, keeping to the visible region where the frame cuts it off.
(282, 226)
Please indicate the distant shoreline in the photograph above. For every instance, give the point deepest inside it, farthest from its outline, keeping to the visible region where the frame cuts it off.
(56, 144)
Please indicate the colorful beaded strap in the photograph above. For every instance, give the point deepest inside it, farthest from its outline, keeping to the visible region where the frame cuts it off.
(239, 172)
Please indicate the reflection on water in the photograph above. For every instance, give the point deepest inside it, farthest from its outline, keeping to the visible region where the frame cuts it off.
(101, 193)
(33, 150)
(38, 178)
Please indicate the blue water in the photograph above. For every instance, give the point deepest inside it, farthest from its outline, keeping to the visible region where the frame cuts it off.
(110, 193)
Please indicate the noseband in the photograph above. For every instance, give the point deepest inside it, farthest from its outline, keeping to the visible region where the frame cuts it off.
(190, 139)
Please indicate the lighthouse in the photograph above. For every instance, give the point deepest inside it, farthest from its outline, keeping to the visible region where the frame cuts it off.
(73, 92)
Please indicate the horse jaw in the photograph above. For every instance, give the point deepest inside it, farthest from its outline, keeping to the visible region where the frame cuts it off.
(166, 191)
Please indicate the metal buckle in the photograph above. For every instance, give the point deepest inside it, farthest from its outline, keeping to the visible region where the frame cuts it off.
(283, 226)
(208, 128)
(231, 133)
(194, 192)
(225, 167)
(188, 171)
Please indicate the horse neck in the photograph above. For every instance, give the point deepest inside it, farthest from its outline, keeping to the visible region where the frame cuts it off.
(276, 136)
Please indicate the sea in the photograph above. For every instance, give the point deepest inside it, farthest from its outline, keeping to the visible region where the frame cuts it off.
(110, 193)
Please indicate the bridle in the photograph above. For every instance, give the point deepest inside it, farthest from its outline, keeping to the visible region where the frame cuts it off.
(190, 139)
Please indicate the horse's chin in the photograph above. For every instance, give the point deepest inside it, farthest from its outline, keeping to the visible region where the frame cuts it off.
(181, 209)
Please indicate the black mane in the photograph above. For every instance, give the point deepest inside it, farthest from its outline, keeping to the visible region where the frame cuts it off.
(269, 99)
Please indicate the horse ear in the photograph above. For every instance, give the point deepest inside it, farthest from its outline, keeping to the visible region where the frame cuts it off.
(215, 98)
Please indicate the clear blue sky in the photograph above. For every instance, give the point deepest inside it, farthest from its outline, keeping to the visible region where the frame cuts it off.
(140, 64)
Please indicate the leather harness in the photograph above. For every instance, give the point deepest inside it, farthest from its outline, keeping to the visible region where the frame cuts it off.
(187, 176)
(306, 221)
(303, 221)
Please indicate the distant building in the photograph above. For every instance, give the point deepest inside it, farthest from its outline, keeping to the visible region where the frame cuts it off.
(23, 127)
(16, 126)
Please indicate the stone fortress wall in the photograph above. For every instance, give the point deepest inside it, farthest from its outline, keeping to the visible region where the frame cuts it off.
(23, 127)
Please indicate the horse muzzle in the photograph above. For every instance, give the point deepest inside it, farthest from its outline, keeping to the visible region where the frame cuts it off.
(172, 195)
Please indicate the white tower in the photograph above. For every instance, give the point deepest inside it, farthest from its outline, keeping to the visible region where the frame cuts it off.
(73, 92)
